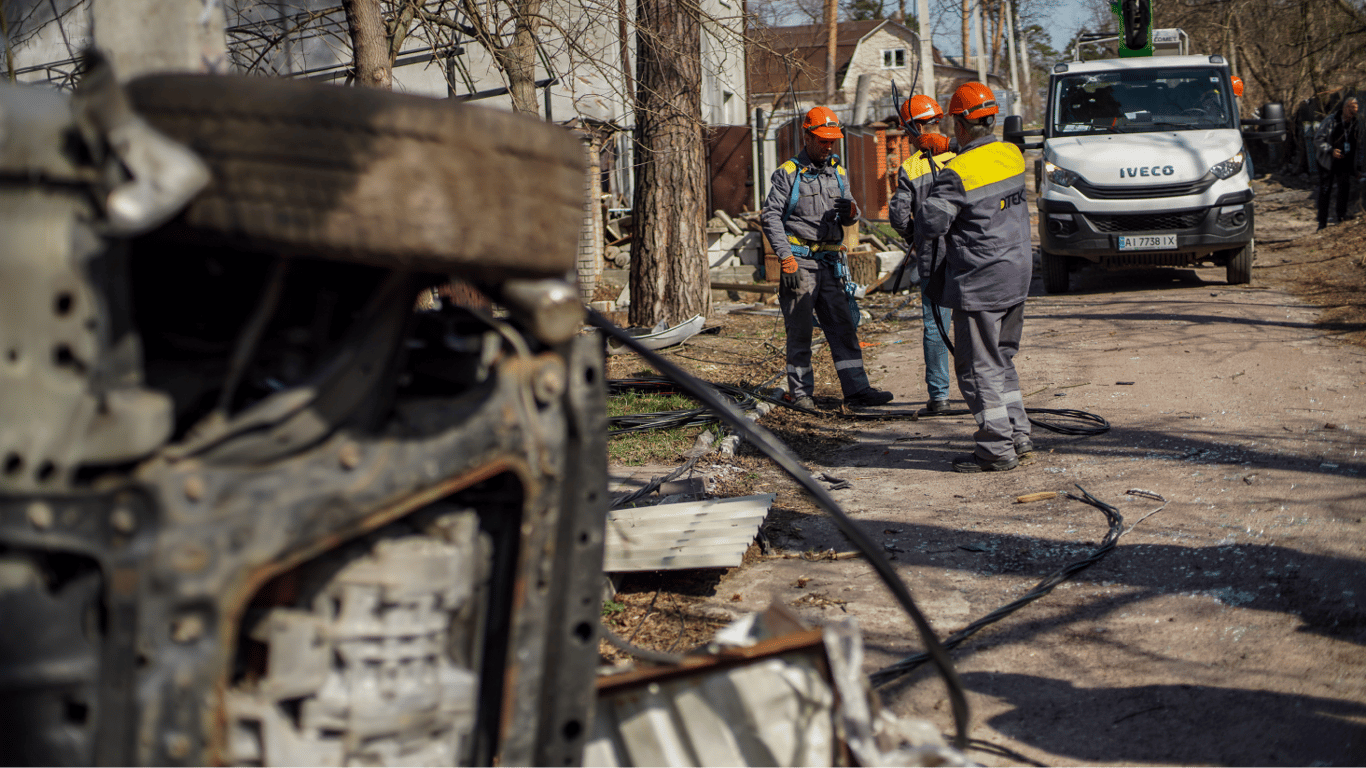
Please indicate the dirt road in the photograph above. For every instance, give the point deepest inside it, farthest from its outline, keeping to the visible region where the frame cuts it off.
(1227, 628)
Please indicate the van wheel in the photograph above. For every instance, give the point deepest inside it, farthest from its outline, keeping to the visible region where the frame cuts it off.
(1240, 264)
(1055, 273)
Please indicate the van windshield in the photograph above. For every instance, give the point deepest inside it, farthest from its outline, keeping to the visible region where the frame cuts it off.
(1132, 101)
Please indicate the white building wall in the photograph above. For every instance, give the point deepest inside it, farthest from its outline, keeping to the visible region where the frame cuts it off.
(723, 63)
(868, 59)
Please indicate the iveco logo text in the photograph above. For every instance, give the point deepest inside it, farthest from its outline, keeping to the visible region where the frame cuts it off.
(1156, 170)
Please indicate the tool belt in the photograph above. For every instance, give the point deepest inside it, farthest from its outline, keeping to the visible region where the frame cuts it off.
(830, 254)
(808, 249)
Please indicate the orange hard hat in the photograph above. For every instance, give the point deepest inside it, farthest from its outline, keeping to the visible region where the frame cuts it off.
(974, 101)
(822, 123)
(920, 107)
(1237, 86)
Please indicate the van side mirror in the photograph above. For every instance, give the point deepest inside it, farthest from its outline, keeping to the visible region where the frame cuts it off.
(1270, 127)
(1015, 133)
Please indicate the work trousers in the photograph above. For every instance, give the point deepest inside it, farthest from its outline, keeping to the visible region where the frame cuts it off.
(820, 290)
(936, 353)
(985, 343)
(1341, 176)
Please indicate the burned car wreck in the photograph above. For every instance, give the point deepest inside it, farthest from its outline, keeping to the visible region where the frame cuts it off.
(255, 508)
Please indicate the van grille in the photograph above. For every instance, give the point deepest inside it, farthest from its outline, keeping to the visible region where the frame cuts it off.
(1098, 192)
(1145, 222)
(1151, 259)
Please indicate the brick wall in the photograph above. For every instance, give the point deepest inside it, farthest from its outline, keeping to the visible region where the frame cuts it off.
(893, 147)
(590, 235)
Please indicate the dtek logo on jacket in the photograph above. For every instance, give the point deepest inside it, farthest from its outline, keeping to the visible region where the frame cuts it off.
(1014, 198)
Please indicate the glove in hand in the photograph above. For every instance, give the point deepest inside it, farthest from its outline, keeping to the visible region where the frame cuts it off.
(790, 278)
(933, 143)
(845, 209)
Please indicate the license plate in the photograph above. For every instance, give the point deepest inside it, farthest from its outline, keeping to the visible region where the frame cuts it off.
(1147, 242)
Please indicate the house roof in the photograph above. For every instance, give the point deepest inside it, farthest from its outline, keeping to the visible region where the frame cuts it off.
(794, 57)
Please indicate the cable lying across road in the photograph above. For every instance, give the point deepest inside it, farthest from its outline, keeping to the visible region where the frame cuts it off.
(746, 400)
(1048, 584)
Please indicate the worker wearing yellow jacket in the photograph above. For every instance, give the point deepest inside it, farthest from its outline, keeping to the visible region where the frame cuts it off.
(913, 185)
(977, 203)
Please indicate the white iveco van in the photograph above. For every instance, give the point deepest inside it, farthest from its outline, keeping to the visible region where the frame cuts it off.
(1144, 165)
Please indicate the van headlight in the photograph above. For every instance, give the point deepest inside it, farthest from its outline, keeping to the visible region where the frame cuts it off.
(1058, 175)
(1229, 167)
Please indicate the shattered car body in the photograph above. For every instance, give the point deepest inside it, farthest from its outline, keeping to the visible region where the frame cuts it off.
(255, 509)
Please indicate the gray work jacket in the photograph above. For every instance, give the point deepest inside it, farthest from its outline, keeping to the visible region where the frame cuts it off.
(913, 185)
(814, 216)
(977, 204)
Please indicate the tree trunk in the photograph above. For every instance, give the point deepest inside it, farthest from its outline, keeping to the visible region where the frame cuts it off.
(369, 43)
(997, 16)
(669, 277)
(831, 42)
(518, 59)
(967, 33)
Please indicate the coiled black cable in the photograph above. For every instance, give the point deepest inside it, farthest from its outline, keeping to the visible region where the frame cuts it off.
(687, 417)
(783, 457)
(1048, 584)
(1100, 425)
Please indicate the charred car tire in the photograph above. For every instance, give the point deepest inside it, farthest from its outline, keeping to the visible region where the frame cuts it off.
(1239, 268)
(369, 176)
(1056, 278)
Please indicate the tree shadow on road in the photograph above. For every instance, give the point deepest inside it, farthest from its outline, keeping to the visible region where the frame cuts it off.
(1175, 724)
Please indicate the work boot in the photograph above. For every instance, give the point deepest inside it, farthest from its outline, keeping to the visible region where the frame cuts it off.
(937, 407)
(805, 402)
(1024, 449)
(970, 463)
(868, 397)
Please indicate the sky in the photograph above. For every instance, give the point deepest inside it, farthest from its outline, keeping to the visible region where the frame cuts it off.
(1065, 21)
(1061, 23)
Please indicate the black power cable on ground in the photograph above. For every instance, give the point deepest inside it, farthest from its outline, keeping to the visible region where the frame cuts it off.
(687, 417)
(783, 457)
(907, 665)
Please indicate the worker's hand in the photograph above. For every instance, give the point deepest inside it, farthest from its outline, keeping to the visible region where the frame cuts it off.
(932, 143)
(1337, 154)
(846, 209)
(791, 274)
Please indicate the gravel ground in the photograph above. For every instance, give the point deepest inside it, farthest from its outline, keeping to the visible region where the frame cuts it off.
(1226, 628)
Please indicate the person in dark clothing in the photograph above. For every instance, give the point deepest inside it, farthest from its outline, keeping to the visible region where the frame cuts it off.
(1335, 145)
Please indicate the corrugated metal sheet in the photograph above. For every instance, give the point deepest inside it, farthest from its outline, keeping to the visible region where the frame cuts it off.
(697, 534)
(771, 705)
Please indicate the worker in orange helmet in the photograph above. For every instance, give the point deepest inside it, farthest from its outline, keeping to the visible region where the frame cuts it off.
(977, 204)
(912, 185)
(1237, 86)
(803, 217)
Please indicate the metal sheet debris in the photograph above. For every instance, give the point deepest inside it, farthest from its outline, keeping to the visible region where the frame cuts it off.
(770, 692)
(697, 534)
(662, 336)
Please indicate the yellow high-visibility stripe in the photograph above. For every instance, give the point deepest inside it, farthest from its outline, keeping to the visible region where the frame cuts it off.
(988, 164)
(789, 167)
(917, 165)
